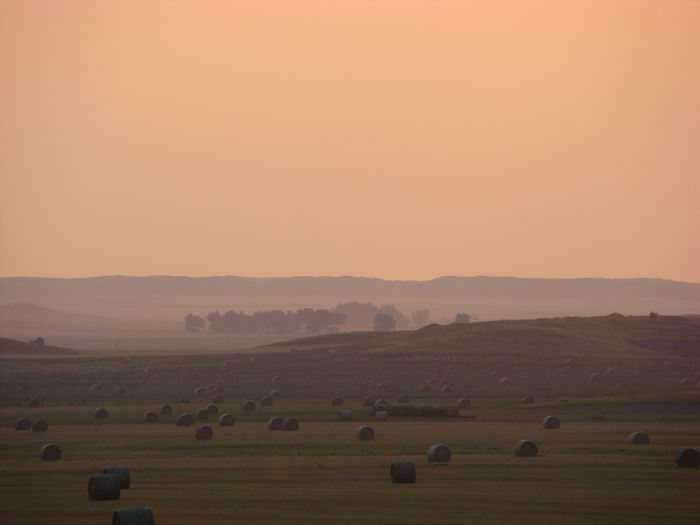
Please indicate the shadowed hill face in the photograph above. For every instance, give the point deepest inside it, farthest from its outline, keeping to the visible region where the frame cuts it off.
(607, 337)
(20, 348)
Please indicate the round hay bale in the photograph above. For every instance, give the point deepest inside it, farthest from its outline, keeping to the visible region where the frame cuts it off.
(345, 415)
(504, 381)
(638, 438)
(266, 401)
(697, 387)
(365, 433)
(200, 391)
(403, 398)
(23, 424)
(150, 416)
(525, 449)
(219, 389)
(609, 370)
(551, 422)
(687, 457)
(275, 423)
(464, 403)
(184, 420)
(439, 454)
(218, 399)
(121, 391)
(528, 400)
(96, 387)
(403, 472)
(564, 401)
(204, 433)
(201, 414)
(685, 382)
(367, 401)
(148, 370)
(593, 376)
(122, 473)
(211, 387)
(33, 403)
(212, 410)
(381, 415)
(275, 380)
(40, 426)
(133, 516)
(227, 366)
(248, 405)
(446, 389)
(50, 452)
(101, 413)
(252, 359)
(291, 424)
(379, 386)
(103, 487)
(166, 410)
(337, 401)
(424, 388)
(226, 420)
(381, 403)
(275, 394)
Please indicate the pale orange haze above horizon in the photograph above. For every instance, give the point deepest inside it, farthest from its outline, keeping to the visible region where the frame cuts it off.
(398, 139)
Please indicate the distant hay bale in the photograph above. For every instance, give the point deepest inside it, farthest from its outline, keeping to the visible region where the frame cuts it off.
(228, 365)
(439, 453)
(200, 391)
(211, 387)
(379, 386)
(33, 403)
(252, 359)
(593, 376)
(266, 401)
(365, 433)
(23, 424)
(381, 403)
(697, 387)
(564, 401)
(337, 401)
(638, 438)
(104, 487)
(122, 473)
(133, 516)
(204, 433)
(381, 415)
(212, 410)
(609, 370)
(101, 413)
(528, 400)
(403, 472)
(218, 389)
(275, 394)
(150, 416)
(226, 420)
(166, 410)
(345, 415)
(96, 387)
(50, 452)
(121, 391)
(368, 401)
(447, 389)
(248, 405)
(275, 380)
(201, 414)
(464, 403)
(525, 449)
(40, 426)
(184, 420)
(291, 424)
(403, 398)
(551, 422)
(687, 457)
(148, 370)
(218, 399)
(504, 381)
(685, 382)
(424, 388)
(275, 423)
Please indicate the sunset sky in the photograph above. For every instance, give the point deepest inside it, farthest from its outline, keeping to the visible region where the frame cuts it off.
(399, 139)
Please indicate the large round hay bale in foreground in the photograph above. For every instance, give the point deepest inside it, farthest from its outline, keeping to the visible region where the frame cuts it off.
(101, 413)
(551, 422)
(33, 403)
(150, 417)
(638, 438)
(23, 424)
(439, 454)
(275, 423)
(525, 449)
(381, 415)
(687, 457)
(184, 420)
(122, 473)
(291, 424)
(345, 415)
(337, 401)
(50, 452)
(204, 433)
(212, 410)
(403, 398)
(367, 401)
(201, 414)
(248, 405)
(403, 472)
(40, 426)
(166, 410)
(267, 401)
(464, 403)
(365, 433)
(103, 487)
(226, 420)
(133, 516)
(528, 400)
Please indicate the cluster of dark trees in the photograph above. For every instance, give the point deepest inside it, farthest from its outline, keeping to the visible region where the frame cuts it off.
(269, 322)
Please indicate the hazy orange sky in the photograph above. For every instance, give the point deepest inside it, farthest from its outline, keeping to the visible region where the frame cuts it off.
(399, 139)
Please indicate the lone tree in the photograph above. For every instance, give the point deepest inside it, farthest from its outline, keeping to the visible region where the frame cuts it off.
(38, 341)
(462, 318)
(384, 323)
(194, 323)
